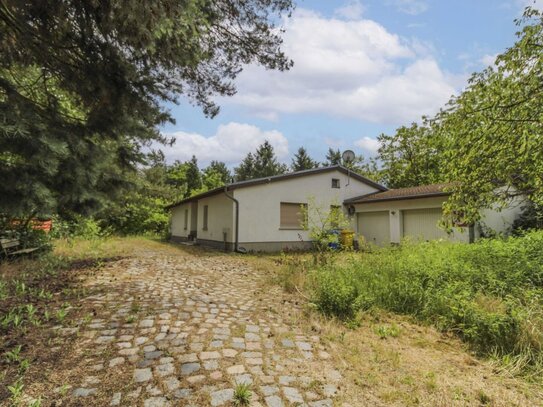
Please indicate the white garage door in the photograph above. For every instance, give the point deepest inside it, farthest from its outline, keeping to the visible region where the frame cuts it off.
(423, 224)
(374, 227)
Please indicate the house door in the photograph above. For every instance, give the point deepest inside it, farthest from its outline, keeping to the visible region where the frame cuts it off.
(194, 219)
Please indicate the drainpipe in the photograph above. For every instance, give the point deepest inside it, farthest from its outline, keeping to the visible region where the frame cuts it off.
(236, 203)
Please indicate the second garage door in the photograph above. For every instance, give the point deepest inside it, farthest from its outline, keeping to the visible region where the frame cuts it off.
(423, 224)
(374, 227)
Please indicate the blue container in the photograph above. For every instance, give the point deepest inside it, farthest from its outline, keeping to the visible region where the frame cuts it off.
(335, 245)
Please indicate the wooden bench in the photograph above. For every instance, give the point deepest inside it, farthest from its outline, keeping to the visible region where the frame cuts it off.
(9, 247)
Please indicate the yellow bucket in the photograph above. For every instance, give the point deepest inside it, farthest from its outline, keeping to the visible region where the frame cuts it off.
(347, 238)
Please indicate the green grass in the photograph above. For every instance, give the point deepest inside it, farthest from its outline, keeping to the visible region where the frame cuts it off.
(489, 293)
(242, 394)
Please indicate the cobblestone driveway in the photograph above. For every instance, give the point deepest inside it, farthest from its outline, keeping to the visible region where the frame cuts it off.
(179, 327)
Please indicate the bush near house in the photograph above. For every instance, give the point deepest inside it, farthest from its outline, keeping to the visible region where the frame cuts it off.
(489, 293)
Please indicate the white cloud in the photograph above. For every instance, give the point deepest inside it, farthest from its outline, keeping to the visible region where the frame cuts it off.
(350, 11)
(230, 143)
(353, 69)
(412, 7)
(488, 60)
(369, 144)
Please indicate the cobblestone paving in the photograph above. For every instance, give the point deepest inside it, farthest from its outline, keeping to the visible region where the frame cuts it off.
(184, 329)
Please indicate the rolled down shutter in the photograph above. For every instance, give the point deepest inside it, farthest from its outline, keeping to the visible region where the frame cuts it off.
(292, 215)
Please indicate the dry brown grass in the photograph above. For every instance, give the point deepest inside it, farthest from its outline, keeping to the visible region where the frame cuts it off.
(419, 366)
(390, 360)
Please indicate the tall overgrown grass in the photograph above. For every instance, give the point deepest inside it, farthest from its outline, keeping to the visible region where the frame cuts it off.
(489, 293)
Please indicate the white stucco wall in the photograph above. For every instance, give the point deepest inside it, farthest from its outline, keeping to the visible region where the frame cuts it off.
(398, 206)
(498, 221)
(178, 221)
(220, 218)
(259, 209)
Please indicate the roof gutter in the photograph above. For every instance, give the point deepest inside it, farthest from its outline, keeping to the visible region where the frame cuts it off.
(397, 198)
(236, 204)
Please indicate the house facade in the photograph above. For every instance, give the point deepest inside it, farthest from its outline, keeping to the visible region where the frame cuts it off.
(268, 214)
(390, 216)
(266, 211)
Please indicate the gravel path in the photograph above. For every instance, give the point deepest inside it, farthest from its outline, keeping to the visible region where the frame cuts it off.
(179, 327)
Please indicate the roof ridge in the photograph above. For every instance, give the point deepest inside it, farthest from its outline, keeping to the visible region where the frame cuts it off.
(293, 174)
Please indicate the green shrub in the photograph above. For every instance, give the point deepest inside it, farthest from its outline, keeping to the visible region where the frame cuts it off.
(337, 295)
(76, 226)
(489, 293)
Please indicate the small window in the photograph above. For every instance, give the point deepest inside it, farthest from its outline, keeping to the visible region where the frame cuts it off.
(205, 218)
(335, 183)
(186, 219)
(292, 215)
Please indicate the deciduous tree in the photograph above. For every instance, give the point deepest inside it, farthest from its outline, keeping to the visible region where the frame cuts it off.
(412, 156)
(495, 129)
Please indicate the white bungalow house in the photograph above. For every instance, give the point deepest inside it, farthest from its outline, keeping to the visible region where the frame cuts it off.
(264, 214)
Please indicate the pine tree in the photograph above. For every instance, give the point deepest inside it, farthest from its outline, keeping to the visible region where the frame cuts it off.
(266, 163)
(246, 168)
(333, 157)
(194, 177)
(302, 161)
(263, 163)
(84, 85)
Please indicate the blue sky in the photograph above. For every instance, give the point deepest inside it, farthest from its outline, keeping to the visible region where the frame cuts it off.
(361, 68)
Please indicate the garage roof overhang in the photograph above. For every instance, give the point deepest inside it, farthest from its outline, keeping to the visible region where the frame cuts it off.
(422, 191)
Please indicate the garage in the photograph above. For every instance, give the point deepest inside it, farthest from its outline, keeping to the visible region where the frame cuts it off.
(374, 227)
(423, 224)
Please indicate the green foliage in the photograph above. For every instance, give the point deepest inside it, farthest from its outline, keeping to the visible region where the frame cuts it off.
(489, 293)
(323, 224)
(387, 331)
(337, 296)
(302, 161)
(242, 394)
(215, 175)
(77, 226)
(412, 156)
(16, 391)
(359, 165)
(496, 149)
(193, 177)
(83, 87)
(138, 214)
(141, 210)
(530, 218)
(487, 140)
(263, 163)
(333, 157)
